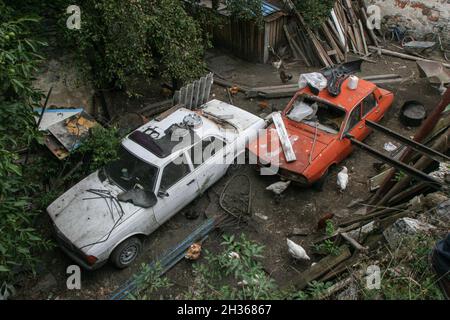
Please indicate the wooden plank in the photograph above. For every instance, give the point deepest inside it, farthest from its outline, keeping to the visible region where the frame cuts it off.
(284, 137)
(366, 50)
(370, 31)
(330, 39)
(322, 267)
(402, 55)
(296, 54)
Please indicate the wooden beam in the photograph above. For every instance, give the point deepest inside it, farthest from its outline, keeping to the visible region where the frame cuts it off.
(284, 137)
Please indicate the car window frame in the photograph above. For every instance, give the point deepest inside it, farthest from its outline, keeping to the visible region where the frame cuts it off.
(346, 128)
(373, 108)
(161, 171)
(188, 151)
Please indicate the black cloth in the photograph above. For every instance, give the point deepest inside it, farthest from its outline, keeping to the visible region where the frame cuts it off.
(441, 257)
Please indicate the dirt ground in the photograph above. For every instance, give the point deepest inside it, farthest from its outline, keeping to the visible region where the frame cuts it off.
(300, 207)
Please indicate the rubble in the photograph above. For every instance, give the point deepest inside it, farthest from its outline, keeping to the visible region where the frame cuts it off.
(404, 228)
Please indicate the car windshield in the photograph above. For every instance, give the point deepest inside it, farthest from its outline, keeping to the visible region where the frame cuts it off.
(312, 112)
(130, 172)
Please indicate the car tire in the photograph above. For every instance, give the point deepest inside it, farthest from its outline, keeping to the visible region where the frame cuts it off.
(318, 185)
(126, 253)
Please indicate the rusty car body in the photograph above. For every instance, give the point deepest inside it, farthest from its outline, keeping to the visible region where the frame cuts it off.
(320, 143)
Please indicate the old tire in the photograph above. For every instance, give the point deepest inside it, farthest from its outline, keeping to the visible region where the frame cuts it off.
(318, 185)
(126, 253)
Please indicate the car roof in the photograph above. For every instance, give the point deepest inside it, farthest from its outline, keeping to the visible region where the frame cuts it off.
(141, 150)
(348, 98)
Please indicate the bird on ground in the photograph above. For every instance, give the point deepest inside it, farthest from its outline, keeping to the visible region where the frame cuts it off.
(278, 188)
(278, 64)
(323, 221)
(342, 179)
(263, 105)
(297, 251)
(285, 77)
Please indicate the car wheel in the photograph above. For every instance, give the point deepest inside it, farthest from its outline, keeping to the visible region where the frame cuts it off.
(126, 252)
(318, 185)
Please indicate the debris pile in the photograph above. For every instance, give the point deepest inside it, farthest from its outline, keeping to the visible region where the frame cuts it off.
(345, 31)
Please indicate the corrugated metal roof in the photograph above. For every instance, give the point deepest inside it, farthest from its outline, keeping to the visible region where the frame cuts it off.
(268, 9)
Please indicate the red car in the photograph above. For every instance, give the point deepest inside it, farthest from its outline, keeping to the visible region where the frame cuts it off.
(317, 126)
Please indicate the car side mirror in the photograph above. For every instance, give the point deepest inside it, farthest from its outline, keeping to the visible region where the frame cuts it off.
(163, 194)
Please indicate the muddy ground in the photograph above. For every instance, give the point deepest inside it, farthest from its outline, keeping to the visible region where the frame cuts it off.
(301, 208)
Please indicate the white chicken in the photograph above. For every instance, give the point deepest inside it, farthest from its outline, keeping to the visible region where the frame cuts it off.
(278, 188)
(342, 179)
(278, 64)
(297, 251)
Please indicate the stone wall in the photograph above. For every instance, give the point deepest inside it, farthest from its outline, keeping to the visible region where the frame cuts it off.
(420, 15)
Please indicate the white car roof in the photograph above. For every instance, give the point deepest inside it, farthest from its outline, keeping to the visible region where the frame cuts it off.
(212, 125)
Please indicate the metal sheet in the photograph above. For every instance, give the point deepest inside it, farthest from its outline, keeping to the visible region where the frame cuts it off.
(195, 94)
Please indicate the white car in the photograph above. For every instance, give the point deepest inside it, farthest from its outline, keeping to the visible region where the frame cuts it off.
(162, 167)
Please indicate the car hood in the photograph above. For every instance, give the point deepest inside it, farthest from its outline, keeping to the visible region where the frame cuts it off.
(303, 139)
(83, 217)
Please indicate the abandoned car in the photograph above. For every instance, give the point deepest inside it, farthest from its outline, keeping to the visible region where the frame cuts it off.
(107, 215)
(317, 126)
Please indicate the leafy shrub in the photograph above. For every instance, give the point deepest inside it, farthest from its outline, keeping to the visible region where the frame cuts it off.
(142, 39)
(243, 270)
(147, 281)
(19, 59)
(245, 9)
(315, 12)
(100, 147)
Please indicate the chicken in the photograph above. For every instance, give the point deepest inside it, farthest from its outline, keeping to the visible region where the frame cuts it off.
(297, 251)
(278, 188)
(342, 179)
(278, 64)
(193, 252)
(263, 105)
(323, 221)
(285, 77)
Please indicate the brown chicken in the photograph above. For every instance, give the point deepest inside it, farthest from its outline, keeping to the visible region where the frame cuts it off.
(194, 251)
(323, 221)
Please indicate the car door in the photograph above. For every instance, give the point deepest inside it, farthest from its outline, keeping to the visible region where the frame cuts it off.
(354, 127)
(207, 159)
(177, 187)
(371, 108)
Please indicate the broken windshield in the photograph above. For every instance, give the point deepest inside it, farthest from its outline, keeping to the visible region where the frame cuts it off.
(130, 172)
(311, 112)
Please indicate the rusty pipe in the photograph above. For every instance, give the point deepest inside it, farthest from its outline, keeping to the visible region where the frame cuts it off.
(423, 132)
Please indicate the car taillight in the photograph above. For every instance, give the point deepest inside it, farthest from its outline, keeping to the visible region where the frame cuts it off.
(91, 260)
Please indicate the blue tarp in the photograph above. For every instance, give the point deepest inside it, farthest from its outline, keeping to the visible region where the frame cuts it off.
(268, 9)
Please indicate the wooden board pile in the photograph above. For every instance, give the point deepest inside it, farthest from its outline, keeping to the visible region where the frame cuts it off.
(344, 31)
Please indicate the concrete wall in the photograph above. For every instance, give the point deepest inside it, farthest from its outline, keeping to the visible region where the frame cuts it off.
(418, 14)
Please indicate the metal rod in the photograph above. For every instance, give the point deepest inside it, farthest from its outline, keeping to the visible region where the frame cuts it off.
(433, 154)
(397, 164)
(45, 106)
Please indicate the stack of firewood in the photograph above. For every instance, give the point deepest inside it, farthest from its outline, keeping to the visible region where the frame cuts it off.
(344, 31)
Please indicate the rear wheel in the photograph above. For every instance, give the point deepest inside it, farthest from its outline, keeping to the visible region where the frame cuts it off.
(126, 253)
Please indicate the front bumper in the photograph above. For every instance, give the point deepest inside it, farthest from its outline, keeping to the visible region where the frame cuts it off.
(73, 252)
(296, 178)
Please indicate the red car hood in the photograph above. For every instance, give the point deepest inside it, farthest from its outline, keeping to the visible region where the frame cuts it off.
(268, 148)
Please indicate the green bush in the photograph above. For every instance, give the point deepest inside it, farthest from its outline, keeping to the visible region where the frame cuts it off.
(227, 276)
(19, 59)
(140, 40)
(315, 12)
